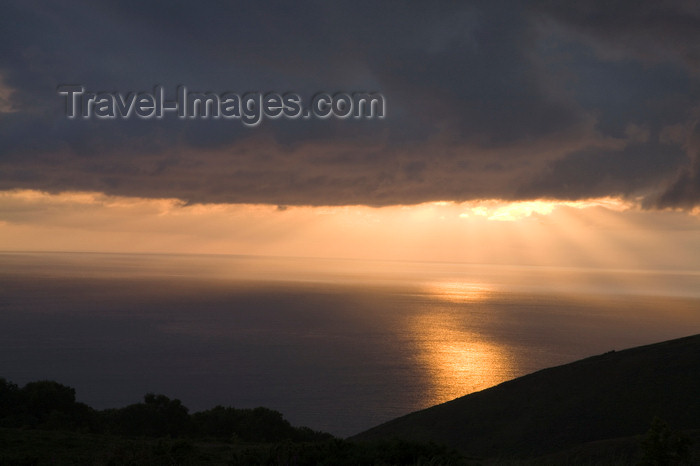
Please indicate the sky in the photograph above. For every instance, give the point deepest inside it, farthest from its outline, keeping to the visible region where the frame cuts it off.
(515, 132)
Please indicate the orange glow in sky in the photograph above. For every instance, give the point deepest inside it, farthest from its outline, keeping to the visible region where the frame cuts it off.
(606, 232)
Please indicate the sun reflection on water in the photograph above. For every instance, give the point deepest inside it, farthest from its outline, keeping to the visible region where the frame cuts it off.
(458, 358)
(459, 292)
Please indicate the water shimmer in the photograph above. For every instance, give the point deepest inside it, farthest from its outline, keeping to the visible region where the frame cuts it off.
(334, 345)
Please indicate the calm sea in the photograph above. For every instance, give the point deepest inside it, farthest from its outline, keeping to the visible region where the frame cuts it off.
(334, 345)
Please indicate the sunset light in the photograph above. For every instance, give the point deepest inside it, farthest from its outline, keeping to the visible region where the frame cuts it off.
(604, 232)
(349, 232)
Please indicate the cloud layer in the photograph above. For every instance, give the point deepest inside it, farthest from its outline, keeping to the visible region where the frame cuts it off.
(508, 100)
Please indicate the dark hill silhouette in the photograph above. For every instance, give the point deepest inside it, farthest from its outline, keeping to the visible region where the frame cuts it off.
(612, 395)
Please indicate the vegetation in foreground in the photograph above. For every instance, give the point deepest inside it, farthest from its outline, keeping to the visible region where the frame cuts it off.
(42, 424)
(24, 447)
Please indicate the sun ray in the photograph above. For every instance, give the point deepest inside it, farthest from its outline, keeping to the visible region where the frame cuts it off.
(605, 232)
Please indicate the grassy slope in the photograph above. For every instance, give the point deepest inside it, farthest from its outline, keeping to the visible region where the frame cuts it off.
(613, 395)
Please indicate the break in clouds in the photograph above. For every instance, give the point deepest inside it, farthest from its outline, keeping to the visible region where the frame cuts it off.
(510, 100)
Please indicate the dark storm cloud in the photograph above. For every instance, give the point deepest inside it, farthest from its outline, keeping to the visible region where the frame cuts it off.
(597, 172)
(505, 99)
(684, 190)
(653, 30)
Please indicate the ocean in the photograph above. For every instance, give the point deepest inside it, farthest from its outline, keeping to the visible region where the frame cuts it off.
(335, 345)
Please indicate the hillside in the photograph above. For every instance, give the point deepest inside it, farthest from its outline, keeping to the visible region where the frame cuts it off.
(613, 395)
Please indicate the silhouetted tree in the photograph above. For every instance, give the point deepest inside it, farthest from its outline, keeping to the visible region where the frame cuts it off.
(40, 398)
(50, 405)
(251, 425)
(157, 416)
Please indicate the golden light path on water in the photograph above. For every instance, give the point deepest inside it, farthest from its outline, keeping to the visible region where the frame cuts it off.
(458, 360)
